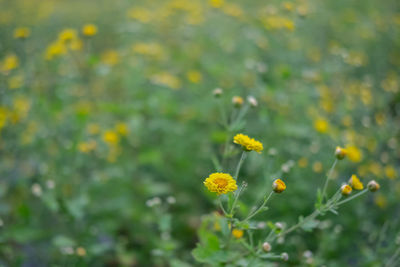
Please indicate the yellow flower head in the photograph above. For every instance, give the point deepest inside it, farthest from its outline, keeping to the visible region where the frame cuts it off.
(89, 29)
(248, 143)
(237, 101)
(9, 63)
(68, 35)
(278, 186)
(321, 125)
(237, 233)
(346, 189)
(220, 183)
(111, 137)
(355, 183)
(354, 154)
(22, 33)
(340, 152)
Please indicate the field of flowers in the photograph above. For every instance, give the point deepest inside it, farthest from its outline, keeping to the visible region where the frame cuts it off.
(200, 133)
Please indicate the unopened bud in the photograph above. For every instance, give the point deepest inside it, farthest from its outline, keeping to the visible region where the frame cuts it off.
(217, 92)
(285, 256)
(252, 101)
(340, 153)
(346, 189)
(279, 226)
(278, 186)
(266, 247)
(373, 186)
(237, 101)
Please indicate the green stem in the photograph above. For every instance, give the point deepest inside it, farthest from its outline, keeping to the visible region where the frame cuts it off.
(242, 157)
(392, 259)
(237, 194)
(299, 224)
(328, 178)
(251, 215)
(222, 206)
(353, 197)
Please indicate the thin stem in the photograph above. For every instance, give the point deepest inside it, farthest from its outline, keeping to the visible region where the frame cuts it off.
(294, 227)
(242, 157)
(392, 259)
(352, 197)
(222, 206)
(237, 194)
(328, 178)
(251, 215)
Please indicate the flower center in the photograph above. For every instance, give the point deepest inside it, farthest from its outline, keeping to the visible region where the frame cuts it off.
(221, 182)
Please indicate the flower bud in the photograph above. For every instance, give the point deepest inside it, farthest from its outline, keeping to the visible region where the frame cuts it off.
(373, 186)
(346, 189)
(266, 247)
(217, 92)
(278, 186)
(340, 153)
(237, 233)
(237, 101)
(252, 101)
(279, 226)
(285, 256)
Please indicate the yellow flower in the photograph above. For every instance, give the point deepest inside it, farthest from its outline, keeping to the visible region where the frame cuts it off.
(237, 101)
(121, 128)
(354, 154)
(355, 183)
(80, 251)
(110, 57)
(317, 167)
(321, 125)
(22, 33)
(340, 152)
(216, 3)
(303, 162)
(220, 183)
(346, 189)
(248, 143)
(87, 147)
(55, 49)
(278, 186)
(67, 35)
(10, 62)
(194, 76)
(390, 172)
(237, 233)
(111, 137)
(89, 29)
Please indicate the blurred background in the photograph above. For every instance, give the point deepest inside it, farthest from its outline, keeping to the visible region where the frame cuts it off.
(108, 125)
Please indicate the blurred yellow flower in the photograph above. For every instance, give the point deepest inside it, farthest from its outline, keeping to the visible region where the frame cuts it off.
(317, 167)
(166, 79)
(22, 33)
(390, 172)
(194, 76)
(86, 147)
(237, 101)
(80, 251)
(141, 14)
(321, 125)
(9, 63)
(237, 233)
(55, 49)
(381, 201)
(354, 154)
(220, 183)
(121, 128)
(89, 30)
(93, 128)
(67, 35)
(355, 183)
(248, 144)
(303, 162)
(110, 57)
(110, 137)
(15, 82)
(216, 3)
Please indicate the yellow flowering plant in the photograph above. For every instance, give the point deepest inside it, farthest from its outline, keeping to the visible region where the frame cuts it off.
(238, 228)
